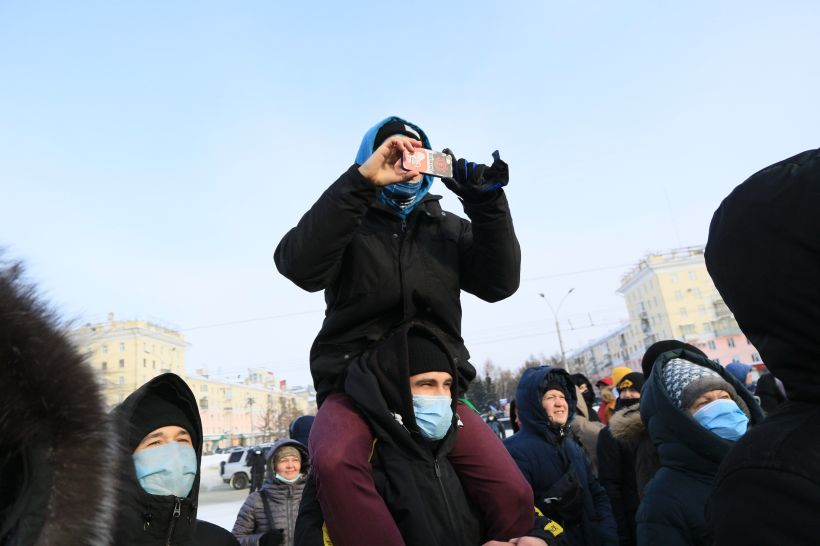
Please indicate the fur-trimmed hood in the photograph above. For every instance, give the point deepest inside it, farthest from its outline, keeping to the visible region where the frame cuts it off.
(626, 425)
(57, 463)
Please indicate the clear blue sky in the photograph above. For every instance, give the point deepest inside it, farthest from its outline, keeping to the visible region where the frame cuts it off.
(152, 154)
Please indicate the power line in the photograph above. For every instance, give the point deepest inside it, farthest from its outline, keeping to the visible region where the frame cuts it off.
(258, 319)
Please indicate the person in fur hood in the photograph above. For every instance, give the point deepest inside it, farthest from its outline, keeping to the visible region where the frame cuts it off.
(617, 447)
(763, 254)
(57, 464)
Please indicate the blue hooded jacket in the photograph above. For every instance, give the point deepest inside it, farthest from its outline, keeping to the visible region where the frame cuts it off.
(545, 453)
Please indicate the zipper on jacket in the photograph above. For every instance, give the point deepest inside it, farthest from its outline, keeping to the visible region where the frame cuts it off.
(453, 527)
(404, 225)
(174, 518)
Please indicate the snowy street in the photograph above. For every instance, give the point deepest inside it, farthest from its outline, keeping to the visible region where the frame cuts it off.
(218, 502)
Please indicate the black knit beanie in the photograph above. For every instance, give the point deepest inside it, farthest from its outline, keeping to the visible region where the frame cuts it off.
(634, 380)
(426, 356)
(551, 383)
(154, 412)
(394, 127)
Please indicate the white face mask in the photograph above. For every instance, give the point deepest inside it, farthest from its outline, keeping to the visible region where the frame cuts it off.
(281, 478)
(169, 469)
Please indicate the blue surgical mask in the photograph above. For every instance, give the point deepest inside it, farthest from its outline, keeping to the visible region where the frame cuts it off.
(169, 469)
(434, 415)
(285, 480)
(724, 418)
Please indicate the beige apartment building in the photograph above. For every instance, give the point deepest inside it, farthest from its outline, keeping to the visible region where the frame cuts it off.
(668, 296)
(240, 410)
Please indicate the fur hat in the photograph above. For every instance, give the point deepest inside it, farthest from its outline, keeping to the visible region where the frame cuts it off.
(685, 381)
(427, 356)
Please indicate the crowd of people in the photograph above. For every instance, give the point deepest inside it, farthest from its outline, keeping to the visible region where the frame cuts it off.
(683, 452)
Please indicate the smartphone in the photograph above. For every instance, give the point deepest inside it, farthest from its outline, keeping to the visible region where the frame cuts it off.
(428, 162)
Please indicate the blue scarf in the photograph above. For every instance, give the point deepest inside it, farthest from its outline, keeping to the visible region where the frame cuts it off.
(402, 196)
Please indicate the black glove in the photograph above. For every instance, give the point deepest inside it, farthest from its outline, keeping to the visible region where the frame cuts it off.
(274, 537)
(474, 182)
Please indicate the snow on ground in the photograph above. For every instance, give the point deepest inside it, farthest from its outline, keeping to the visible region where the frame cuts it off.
(218, 502)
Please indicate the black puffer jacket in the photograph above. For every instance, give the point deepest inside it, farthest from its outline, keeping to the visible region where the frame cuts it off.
(143, 518)
(283, 500)
(378, 270)
(764, 256)
(57, 457)
(672, 509)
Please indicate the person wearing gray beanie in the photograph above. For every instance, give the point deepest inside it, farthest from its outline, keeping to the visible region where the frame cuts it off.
(694, 411)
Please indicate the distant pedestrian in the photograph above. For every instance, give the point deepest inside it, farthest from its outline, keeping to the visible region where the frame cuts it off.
(496, 426)
(268, 516)
(763, 254)
(607, 407)
(587, 392)
(299, 429)
(257, 460)
(585, 430)
(741, 372)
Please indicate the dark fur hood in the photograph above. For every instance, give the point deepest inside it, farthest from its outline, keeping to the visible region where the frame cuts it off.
(56, 444)
(626, 425)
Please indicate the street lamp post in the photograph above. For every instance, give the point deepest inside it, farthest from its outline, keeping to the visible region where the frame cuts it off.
(555, 312)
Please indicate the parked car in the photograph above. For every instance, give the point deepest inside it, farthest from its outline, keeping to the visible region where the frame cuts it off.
(236, 470)
(508, 430)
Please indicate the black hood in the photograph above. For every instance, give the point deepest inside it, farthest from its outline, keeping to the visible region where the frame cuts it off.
(763, 254)
(682, 443)
(144, 518)
(57, 461)
(379, 384)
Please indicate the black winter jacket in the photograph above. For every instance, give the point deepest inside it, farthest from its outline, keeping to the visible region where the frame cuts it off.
(378, 270)
(672, 511)
(617, 460)
(146, 519)
(545, 454)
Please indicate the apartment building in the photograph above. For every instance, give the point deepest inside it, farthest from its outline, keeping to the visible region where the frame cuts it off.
(240, 410)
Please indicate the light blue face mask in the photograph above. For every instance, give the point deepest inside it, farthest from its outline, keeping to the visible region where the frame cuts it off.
(169, 469)
(724, 418)
(434, 415)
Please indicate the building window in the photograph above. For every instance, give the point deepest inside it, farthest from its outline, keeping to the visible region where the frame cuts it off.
(122, 347)
(683, 312)
(121, 380)
(674, 278)
(154, 364)
(104, 366)
(203, 388)
(678, 295)
(696, 292)
(707, 326)
(203, 403)
(144, 363)
(755, 357)
(712, 345)
(731, 342)
(122, 363)
(105, 349)
(702, 309)
(693, 276)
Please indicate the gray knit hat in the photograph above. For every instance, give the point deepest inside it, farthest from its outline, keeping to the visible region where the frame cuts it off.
(685, 381)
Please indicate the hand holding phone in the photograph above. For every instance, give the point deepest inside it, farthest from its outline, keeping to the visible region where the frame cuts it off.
(428, 162)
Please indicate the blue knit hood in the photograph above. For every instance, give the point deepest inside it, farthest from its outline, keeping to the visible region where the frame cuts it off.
(366, 150)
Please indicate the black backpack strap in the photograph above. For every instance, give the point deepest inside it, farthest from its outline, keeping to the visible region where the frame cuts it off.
(267, 508)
